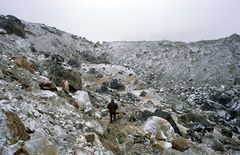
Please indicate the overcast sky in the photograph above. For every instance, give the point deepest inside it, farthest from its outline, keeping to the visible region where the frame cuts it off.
(106, 20)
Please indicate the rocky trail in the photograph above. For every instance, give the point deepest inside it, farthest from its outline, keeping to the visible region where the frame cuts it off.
(55, 87)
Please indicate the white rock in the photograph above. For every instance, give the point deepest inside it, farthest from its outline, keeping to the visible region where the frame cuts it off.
(47, 94)
(160, 126)
(11, 149)
(95, 126)
(4, 101)
(9, 95)
(39, 146)
(161, 90)
(108, 153)
(2, 83)
(36, 114)
(39, 133)
(2, 31)
(70, 122)
(31, 124)
(83, 101)
(98, 152)
(191, 98)
(166, 145)
(59, 132)
(163, 144)
(7, 151)
(104, 112)
(69, 127)
(98, 114)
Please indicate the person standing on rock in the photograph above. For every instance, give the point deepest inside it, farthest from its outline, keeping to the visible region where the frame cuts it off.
(112, 107)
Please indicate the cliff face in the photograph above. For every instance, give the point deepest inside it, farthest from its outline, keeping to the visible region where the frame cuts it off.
(173, 97)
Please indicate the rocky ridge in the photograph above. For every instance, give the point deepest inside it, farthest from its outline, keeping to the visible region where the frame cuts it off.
(55, 87)
(166, 63)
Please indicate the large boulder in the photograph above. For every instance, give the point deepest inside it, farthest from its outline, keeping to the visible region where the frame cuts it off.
(12, 25)
(104, 88)
(94, 126)
(58, 74)
(74, 62)
(46, 94)
(17, 128)
(24, 77)
(167, 116)
(220, 97)
(39, 146)
(163, 114)
(74, 79)
(83, 101)
(116, 84)
(160, 128)
(59, 132)
(180, 144)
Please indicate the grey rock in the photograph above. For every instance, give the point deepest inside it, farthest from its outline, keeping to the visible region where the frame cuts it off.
(74, 62)
(227, 132)
(83, 101)
(146, 114)
(59, 132)
(58, 73)
(201, 89)
(24, 77)
(94, 126)
(116, 84)
(57, 58)
(221, 98)
(130, 97)
(104, 87)
(92, 71)
(143, 93)
(39, 146)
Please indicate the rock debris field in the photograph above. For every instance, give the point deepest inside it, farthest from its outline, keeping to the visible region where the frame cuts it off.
(173, 97)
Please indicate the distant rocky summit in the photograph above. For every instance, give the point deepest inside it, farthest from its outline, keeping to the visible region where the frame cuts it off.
(173, 97)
